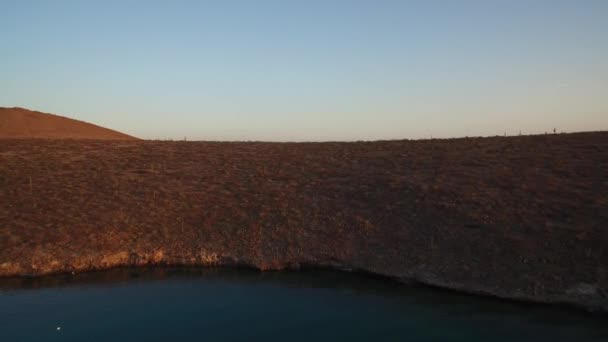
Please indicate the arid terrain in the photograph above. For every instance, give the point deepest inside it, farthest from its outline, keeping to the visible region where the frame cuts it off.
(515, 217)
(23, 123)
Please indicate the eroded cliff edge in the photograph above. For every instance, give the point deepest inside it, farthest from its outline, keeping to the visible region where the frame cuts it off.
(518, 217)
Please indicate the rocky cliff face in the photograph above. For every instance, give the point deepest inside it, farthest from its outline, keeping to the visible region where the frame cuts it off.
(522, 217)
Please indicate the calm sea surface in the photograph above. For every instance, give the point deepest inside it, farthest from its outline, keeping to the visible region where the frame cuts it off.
(177, 304)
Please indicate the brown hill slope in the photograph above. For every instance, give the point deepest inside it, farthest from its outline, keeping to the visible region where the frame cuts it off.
(23, 123)
(519, 217)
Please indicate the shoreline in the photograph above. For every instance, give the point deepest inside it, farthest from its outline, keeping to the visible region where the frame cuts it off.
(519, 217)
(565, 302)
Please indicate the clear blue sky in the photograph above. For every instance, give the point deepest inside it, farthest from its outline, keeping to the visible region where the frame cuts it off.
(310, 70)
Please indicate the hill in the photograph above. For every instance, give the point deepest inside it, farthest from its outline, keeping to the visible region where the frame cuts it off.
(19, 123)
(515, 217)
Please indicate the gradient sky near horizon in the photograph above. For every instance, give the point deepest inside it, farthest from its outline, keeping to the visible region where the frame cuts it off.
(310, 70)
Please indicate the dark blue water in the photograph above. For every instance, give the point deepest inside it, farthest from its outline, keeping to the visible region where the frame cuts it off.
(241, 305)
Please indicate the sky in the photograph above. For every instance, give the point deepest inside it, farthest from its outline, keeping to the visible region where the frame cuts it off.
(310, 70)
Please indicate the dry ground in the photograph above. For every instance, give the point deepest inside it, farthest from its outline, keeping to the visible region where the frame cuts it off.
(518, 217)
